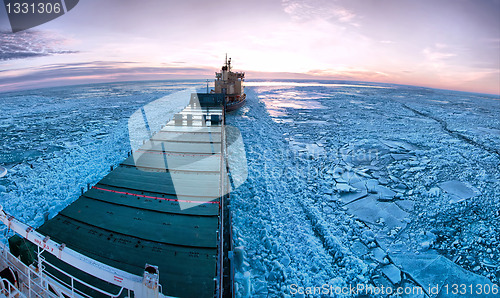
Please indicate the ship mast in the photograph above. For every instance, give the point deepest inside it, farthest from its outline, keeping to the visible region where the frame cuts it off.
(228, 63)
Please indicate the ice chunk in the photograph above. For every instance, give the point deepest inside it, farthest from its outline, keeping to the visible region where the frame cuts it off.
(285, 261)
(458, 190)
(260, 288)
(336, 172)
(416, 169)
(394, 210)
(315, 150)
(392, 273)
(366, 209)
(327, 190)
(351, 177)
(368, 184)
(368, 236)
(425, 245)
(344, 187)
(327, 210)
(384, 193)
(406, 205)
(399, 145)
(430, 268)
(347, 197)
(359, 248)
(370, 210)
(401, 187)
(434, 192)
(239, 256)
(3, 172)
(379, 255)
(245, 281)
(383, 181)
(398, 156)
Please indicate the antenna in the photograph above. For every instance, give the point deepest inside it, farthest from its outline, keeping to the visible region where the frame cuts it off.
(226, 58)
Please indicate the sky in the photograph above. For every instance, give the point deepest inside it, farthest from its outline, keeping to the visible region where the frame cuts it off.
(447, 44)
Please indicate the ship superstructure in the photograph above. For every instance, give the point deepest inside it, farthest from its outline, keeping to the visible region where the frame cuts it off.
(230, 84)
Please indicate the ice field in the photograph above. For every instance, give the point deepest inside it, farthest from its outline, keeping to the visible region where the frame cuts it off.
(348, 183)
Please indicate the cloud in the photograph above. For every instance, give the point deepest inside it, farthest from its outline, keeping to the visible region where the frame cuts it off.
(305, 10)
(29, 44)
(349, 74)
(439, 57)
(93, 72)
(454, 67)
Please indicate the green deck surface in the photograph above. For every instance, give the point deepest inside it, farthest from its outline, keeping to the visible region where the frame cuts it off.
(207, 185)
(149, 203)
(134, 217)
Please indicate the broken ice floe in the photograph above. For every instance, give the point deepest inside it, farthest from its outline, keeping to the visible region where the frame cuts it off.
(352, 196)
(458, 190)
(430, 269)
(379, 255)
(359, 248)
(351, 177)
(344, 188)
(406, 205)
(392, 273)
(400, 156)
(399, 145)
(371, 210)
(372, 186)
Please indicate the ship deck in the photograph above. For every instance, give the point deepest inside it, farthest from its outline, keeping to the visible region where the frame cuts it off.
(160, 206)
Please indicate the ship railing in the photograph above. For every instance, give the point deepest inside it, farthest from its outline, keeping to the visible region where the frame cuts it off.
(30, 281)
(224, 274)
(222, 193)
(70, 289)
(228, 226)
(30, 275)
(8, 289)
(231, 263)
(122, 279)
(36, 280)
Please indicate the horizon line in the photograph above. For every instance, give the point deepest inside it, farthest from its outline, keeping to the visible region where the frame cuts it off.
(263, 79)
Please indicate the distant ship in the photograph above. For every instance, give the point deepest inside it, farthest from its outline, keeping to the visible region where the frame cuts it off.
(230, 84)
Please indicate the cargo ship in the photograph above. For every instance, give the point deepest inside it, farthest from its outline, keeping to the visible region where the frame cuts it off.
(157, 225)
(230, 84)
